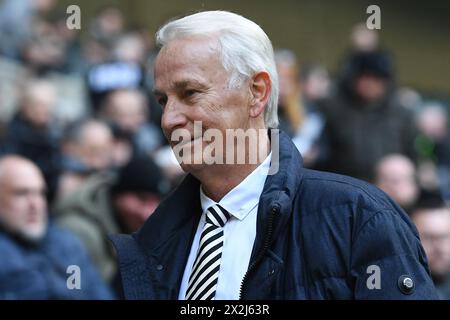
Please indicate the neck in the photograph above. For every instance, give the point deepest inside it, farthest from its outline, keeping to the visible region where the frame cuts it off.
(218, 180)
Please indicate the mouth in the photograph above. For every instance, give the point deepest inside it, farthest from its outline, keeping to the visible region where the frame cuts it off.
(185, 143)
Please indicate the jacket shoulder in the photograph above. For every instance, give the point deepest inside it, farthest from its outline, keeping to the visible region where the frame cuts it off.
(346, 202)
(11, 253)
(325, 189)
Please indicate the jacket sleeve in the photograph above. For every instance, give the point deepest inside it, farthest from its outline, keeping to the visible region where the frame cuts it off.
(388, 261)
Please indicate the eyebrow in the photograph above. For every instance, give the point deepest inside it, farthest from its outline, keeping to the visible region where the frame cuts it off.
(180, 85)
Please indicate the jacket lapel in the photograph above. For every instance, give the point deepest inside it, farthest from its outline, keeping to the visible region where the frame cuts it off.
(166, 237)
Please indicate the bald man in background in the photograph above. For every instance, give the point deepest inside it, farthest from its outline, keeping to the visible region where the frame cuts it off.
(36, 255)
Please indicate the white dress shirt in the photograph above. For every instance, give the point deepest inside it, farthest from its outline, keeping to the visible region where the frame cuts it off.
(239, 233)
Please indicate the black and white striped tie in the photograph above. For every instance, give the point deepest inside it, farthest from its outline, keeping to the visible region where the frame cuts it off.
(205, 271)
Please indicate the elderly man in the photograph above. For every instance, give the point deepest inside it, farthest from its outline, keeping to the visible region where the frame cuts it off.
(31, 133)
(265, 229)
(39, 261)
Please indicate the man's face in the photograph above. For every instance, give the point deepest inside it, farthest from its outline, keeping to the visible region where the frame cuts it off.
(370, 88)
(135, 207)
(287, 77)
(127, 109)
(396, 177)
(23, 208)
(192, 85)
(95, 147)
(38, 105)
(434, 230)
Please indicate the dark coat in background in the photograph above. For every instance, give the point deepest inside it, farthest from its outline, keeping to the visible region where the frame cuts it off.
(318, 237)
(358, 134)
(41, 146)
(40, 271)
(356, 137)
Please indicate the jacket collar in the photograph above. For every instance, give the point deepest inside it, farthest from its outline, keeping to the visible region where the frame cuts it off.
(279, 190)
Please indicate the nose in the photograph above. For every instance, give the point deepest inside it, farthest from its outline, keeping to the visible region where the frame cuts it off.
(173, 117)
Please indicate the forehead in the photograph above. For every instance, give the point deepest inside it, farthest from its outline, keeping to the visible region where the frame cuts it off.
(23, 177)
(193, 58)
(433, 220)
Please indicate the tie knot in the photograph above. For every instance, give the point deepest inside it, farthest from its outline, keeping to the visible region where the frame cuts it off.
(216, 215)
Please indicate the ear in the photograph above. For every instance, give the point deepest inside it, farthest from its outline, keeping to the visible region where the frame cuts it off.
(260, 89)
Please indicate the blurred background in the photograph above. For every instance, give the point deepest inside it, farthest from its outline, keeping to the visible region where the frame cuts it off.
(78, 106)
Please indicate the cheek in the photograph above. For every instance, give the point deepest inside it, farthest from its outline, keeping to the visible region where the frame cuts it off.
(18, 205)
(43, 205)
(227, 113)
(14, 212)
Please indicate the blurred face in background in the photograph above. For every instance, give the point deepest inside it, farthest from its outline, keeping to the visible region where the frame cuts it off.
(434, 230)
(135, 207)
(369, 88)
(316, 85)
(131, 48)
(43, 6)
(363, 39)
(288, 80)
(127, 109)
(396, 176)
(23, 207)
(432, 122)
(38, 102)
(95, 146)
(110, 22)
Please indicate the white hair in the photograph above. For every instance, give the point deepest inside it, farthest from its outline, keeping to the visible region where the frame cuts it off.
(244, 48)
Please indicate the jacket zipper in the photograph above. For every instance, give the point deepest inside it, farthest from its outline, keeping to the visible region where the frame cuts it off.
(261, 253)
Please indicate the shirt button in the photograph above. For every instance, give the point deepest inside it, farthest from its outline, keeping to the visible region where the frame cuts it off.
(159, 267)
(406, 284)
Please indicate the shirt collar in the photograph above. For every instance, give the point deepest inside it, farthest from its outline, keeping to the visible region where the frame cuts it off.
(240, 200)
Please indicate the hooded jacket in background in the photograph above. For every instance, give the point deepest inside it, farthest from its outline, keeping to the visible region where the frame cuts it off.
(358, 134)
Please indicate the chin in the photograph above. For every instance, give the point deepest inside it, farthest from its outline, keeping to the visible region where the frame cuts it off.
(192, 168)
(34, 233)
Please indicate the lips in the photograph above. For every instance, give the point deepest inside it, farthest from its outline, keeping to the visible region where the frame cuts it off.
(183, 142)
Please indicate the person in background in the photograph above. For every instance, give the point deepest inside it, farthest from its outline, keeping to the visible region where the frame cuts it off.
(363, 39)
(31, 134)
(111, 202)
(126, 110)
(17, 23)
(290, 109)
(395, 174)
(302, 124)
(432, 218)
(83, 203)
(87, 149)
(36, 254)
(137, 192)
(433, 147)
(363, 121)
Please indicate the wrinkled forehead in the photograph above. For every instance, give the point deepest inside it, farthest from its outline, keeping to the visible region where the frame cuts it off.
(190, 54)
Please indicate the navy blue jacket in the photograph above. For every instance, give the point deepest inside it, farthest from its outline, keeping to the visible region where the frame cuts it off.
(319, 236)
(39, 271)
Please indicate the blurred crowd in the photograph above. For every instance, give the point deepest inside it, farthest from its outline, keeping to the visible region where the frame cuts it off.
(83, 155)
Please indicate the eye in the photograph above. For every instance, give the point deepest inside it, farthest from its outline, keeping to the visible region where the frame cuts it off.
(190, 93)
(162, 101)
